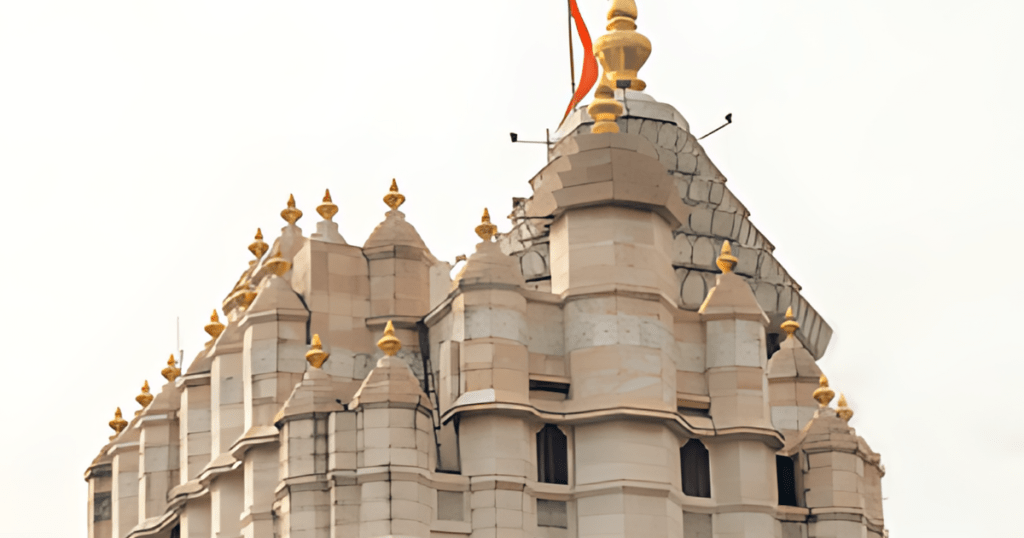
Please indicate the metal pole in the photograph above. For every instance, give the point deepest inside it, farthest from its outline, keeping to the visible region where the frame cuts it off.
(572, 64)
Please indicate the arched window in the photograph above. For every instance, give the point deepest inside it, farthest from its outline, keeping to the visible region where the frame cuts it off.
(552, 456)
(786, 473)
(693, 459)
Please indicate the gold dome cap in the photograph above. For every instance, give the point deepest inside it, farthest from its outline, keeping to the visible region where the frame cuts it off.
(726, 261)
(842, 409)
(393, 198)
(327, 209)
(823, 393)
(790, 326)
(171, 372)
(214, 327)
(486, 230)
(316, 354)
(144, 398)
(291, 214)
(389, 343)
(118, 424)
(258, 247)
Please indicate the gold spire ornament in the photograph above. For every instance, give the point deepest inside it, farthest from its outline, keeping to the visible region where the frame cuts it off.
(842, 409)
(277, 265)
(144, 398)
(118, 424)
(258, 247)
(726, 261)
(316, 354)
(622, 52)
(486, 230)
(327, 209)
(214, 327)
(823, 394)
(291, 214)
(393, 198)
(790, 325)
(389, 343)
(171, 372)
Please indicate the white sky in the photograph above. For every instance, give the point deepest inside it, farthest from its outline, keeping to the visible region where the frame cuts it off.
(875, 142)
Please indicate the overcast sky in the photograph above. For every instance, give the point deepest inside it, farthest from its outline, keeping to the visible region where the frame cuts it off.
(876, 144)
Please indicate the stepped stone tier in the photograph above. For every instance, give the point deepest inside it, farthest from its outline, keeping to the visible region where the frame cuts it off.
(629, 360)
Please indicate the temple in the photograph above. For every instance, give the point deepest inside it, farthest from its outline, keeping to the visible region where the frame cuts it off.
(628, 360)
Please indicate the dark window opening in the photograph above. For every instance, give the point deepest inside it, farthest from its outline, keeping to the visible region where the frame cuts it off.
(176, 531)
(772, 343)
(552, 456)
(785, 470)
(696, 468)
(101, 506)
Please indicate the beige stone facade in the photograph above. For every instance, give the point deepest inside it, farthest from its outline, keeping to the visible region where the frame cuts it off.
(604, 369)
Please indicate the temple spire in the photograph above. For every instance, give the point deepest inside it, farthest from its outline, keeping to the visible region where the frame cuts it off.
(316, 354)
(393, 198)
(726, 261)
(258, 247)
(291, 214)
(622, 52)
(823, 393)
(327, 209)
(790, 325)
(486, 230)
(389, 343)
(171, 372)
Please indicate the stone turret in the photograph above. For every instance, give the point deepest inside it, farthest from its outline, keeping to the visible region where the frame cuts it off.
(394, 447)
(842, 476)
(792, 377)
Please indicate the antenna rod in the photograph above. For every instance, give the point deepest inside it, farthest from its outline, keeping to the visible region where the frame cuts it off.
(728, 120)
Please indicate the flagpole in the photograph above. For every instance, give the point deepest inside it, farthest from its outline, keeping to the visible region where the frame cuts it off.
(572, 65)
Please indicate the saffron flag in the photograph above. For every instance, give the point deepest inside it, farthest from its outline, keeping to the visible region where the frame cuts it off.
(588, 76)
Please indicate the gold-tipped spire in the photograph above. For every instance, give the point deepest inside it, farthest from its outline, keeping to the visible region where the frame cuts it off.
(393, 198)
(486, 230)
(389, 343)
(842, 409)
(726, 261)
(144, 398)
(622, 52)
(790, 325)
(823, 394)
(258, 247)
(291, 214)
(327, 209)
(214, 327)
(316, 354)
(171, 372)
(277, 265)
(118, 424)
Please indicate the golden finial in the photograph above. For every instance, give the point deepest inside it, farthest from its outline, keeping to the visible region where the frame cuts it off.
(327, 209)
(258, 247)
(316, 354)
(393, 198)
(144, 398)
(726, 261)
(823, 394)
(171, 372)
(277, 265)
(790, 325)
(248, 296)
(389, 343)
(842, 409)
(214, 327)
(486, 230)
(622, 52)
(118, 424)
(291, 214)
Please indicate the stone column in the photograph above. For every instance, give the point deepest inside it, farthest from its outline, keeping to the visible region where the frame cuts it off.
(125, 490)
(742, 454)
(195, 519)
(194, 426)
(99, 478)
(158, 455)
